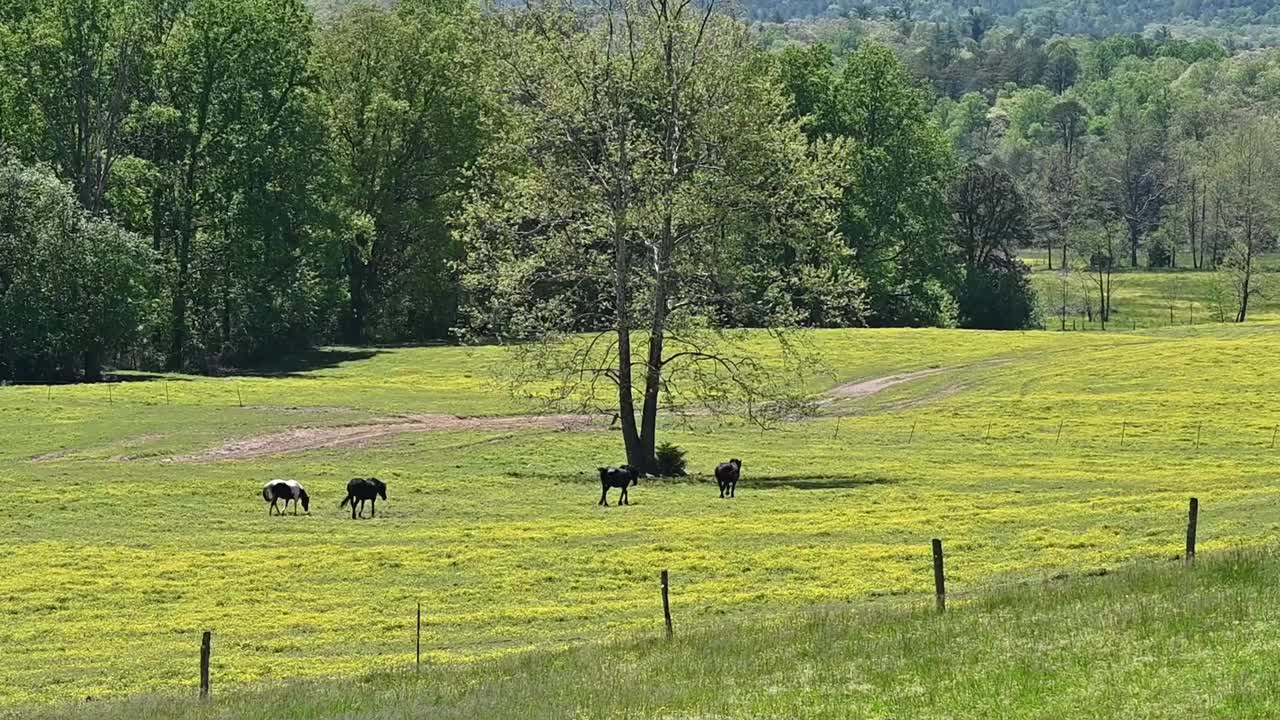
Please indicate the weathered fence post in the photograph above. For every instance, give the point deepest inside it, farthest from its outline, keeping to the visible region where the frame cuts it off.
(417, 644)
(206, 642)
(912, 436)
(1199, 425)
(836, 436)
(1193, 514)
(1057, 439)
(239, 397)
(666, 603)
(987, 435)
(166, 392)
(110, 399)
(1124, 428)
(1273, 437)
(939, 577)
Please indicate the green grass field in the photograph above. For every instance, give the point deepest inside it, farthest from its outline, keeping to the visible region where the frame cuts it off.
(1141, 644)
(1031, 454)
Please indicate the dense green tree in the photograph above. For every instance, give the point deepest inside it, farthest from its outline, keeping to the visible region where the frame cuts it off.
(990, 221)
(408, 112)
(82, 64)
(71, 285)
(652, 157)
(1063, 66)
(234, 163)
(894, 209)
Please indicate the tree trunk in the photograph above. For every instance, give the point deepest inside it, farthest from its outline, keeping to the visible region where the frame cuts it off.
(178, 329)
(626, 400)
(92, 365)
(357, 289)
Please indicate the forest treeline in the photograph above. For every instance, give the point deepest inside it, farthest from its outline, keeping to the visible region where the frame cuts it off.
(204, 184)
(1244, 21)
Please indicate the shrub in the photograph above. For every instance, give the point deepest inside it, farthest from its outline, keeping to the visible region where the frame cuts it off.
(671, 460)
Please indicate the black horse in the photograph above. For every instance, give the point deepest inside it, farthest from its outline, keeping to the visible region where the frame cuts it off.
(619, 477)
(727, 475)
(361, 489)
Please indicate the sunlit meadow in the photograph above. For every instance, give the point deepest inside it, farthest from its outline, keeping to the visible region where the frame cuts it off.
(1033, 455)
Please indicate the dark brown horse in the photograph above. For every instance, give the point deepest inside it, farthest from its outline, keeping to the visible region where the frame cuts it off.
(619, 477)
(727, 475)
(361, 489)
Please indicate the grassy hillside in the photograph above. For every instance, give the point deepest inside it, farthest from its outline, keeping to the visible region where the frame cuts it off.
(1031, 454)
(1159, 642)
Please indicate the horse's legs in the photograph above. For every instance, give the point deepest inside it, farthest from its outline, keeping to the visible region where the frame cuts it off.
(733, 489)
(353, 508)
(604, 495)
(373, 507)
(623, 500)
(295, 506)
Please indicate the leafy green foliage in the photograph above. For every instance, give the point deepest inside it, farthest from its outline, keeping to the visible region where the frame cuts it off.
(72, 286)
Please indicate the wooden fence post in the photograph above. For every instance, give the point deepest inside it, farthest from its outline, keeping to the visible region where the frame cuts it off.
(1273, 437)
(1199, 425)
(912, 436)
(206, 642)
(1124, 428)
(417, 655)
(939, 577)
(666, 603)
(1192, 517)
(836, 436)
(1058, 439)
(166, 392)
(239, 396)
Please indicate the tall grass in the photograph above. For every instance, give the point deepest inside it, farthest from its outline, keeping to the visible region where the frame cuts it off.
(1144, 642)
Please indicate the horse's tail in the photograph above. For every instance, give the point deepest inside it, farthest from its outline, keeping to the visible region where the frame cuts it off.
(266, 493)
(345, 500)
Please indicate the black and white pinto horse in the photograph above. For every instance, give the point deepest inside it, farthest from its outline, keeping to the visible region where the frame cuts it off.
(288, 491)
(619, 477)
(727, 475)
(361, 489)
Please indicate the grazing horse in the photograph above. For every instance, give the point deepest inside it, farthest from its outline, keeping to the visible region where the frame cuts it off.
(286, 490)
(727, 476)
(361, 489)
(619, 477)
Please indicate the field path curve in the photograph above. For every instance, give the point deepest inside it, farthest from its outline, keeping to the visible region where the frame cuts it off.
(864, 388)
(354, 436)
(872, 386)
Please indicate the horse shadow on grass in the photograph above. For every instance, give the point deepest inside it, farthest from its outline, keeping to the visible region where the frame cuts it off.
(796, 481)
(802, 481)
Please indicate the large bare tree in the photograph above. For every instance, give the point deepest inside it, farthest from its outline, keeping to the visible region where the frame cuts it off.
(651, 185)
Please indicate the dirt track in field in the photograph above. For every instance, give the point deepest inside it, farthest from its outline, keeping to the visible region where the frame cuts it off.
(358, 436)
(867, 388)
(302, 439)
(864, 388)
